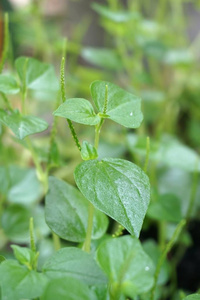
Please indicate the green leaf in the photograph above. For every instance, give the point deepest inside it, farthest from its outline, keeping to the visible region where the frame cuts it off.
(123, 107)
(8, 85)
(24, 186)
(67, 288)
(17, 282)
(193, 297)
(128, 267)
(102, 57)
(2, 258)
(78, 110)
(75, 263)
(66, 212)
(117, 187)
(166, 208)
(36, 75)
(118, 16)
(22, 126)
(153, 251)
(15, 223)
(24, 255)
(88, 151)
(178, 57)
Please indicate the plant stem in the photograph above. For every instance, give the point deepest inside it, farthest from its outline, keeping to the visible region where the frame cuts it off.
(164, 254)
(147, 154)
(7, 102)
(56, 241)
(31, 231)
(6, 41)
(87, 243)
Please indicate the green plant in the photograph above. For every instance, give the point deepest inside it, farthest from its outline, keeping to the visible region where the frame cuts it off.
(88, 242)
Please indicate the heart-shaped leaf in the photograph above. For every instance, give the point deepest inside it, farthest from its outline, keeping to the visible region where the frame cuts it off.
(75, 263)
(17, 282)
(78, 110)
(22, 126)
(128, 267)
(122, 107)
(36, 75)
(66, 212)
(67, 288)
(117, 187)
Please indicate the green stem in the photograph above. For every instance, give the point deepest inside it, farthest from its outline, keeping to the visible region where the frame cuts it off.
(87, 243)
(193, 193)
(31, 232)
(147, 154)
(6, 41)
(164, 254)
(7, 102)
(42, 175)
(56, 241)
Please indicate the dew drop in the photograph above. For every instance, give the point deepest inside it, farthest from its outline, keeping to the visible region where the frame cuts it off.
(131, 114)
(146, 268)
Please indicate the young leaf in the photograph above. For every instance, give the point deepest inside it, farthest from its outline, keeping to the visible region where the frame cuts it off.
(66, 212)
(75, 263)
(167, 208)
(78, 110)
(36, 75)
(17, 282)
(88, 151)
(22, 126)
(128, 267)
(24, 255)
(8, 85)
(122, 107)
(117, 187)
(67, 288)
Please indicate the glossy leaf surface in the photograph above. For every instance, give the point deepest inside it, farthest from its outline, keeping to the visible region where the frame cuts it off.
(22, 126)
(75, 263)
(117, 187)
(67, 288)
(128, 267)
(17, 282)
(78, 110)
(122, 107)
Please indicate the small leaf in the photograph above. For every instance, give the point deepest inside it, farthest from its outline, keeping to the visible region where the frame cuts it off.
(128, 267)
(17, 282)
(123, 107)
(115, 16)
(15, 223)
(66, 212)
(78, 110)
(117, 187)
(88, 151)
(166, 208)
(75, 263)
(67, 288)
(22, 126)
(8, 85)
(36, 75)
(24, 255)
